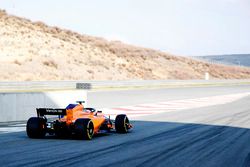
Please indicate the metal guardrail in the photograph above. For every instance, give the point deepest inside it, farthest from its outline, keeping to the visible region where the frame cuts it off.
(31, 86)
(37, 86)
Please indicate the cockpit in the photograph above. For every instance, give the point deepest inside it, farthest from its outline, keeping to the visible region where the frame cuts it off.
(92, 110)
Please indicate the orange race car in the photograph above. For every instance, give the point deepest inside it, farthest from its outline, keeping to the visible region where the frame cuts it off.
(75, 121)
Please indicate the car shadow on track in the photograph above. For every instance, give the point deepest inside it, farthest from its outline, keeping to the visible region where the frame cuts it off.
(149, 143)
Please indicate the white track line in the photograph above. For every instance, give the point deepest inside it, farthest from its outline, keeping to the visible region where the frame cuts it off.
(11, 129)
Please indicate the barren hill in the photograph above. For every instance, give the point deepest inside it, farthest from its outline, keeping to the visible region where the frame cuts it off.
(35, 51)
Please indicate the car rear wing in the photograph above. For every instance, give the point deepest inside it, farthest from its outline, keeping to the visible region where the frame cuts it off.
(50, 111)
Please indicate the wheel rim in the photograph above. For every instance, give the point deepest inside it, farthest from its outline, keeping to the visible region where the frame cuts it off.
(126, 124)
(90, 130)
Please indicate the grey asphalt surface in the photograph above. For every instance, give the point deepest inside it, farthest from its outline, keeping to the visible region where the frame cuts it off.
(210, 136)
(107, 99)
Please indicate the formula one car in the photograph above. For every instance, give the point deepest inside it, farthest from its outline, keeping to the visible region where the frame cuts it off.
(75, 121)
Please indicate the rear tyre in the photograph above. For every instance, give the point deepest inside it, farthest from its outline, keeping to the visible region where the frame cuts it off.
(84, 129)
(121, 123)
(36, 127)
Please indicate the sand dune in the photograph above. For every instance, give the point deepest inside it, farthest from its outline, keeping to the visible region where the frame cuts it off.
(35, 51)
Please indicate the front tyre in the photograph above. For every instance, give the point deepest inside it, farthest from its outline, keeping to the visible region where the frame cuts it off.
(121, 123)
(84, 128)
(36, 127)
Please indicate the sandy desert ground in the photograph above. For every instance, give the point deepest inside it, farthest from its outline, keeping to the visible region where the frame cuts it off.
(33, 51)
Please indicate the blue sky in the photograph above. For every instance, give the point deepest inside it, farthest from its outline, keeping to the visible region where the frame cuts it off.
(184, 27)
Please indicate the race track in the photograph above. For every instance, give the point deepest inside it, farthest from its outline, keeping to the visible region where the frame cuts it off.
(214, 135)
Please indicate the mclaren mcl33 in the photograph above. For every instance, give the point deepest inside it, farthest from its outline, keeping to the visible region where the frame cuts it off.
(74, 121)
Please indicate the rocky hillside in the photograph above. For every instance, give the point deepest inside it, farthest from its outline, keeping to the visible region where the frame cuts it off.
(35, 51)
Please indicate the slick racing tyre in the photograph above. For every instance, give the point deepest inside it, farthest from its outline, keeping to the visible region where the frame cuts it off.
(36, 127)
(84, 128)
(121, 123)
